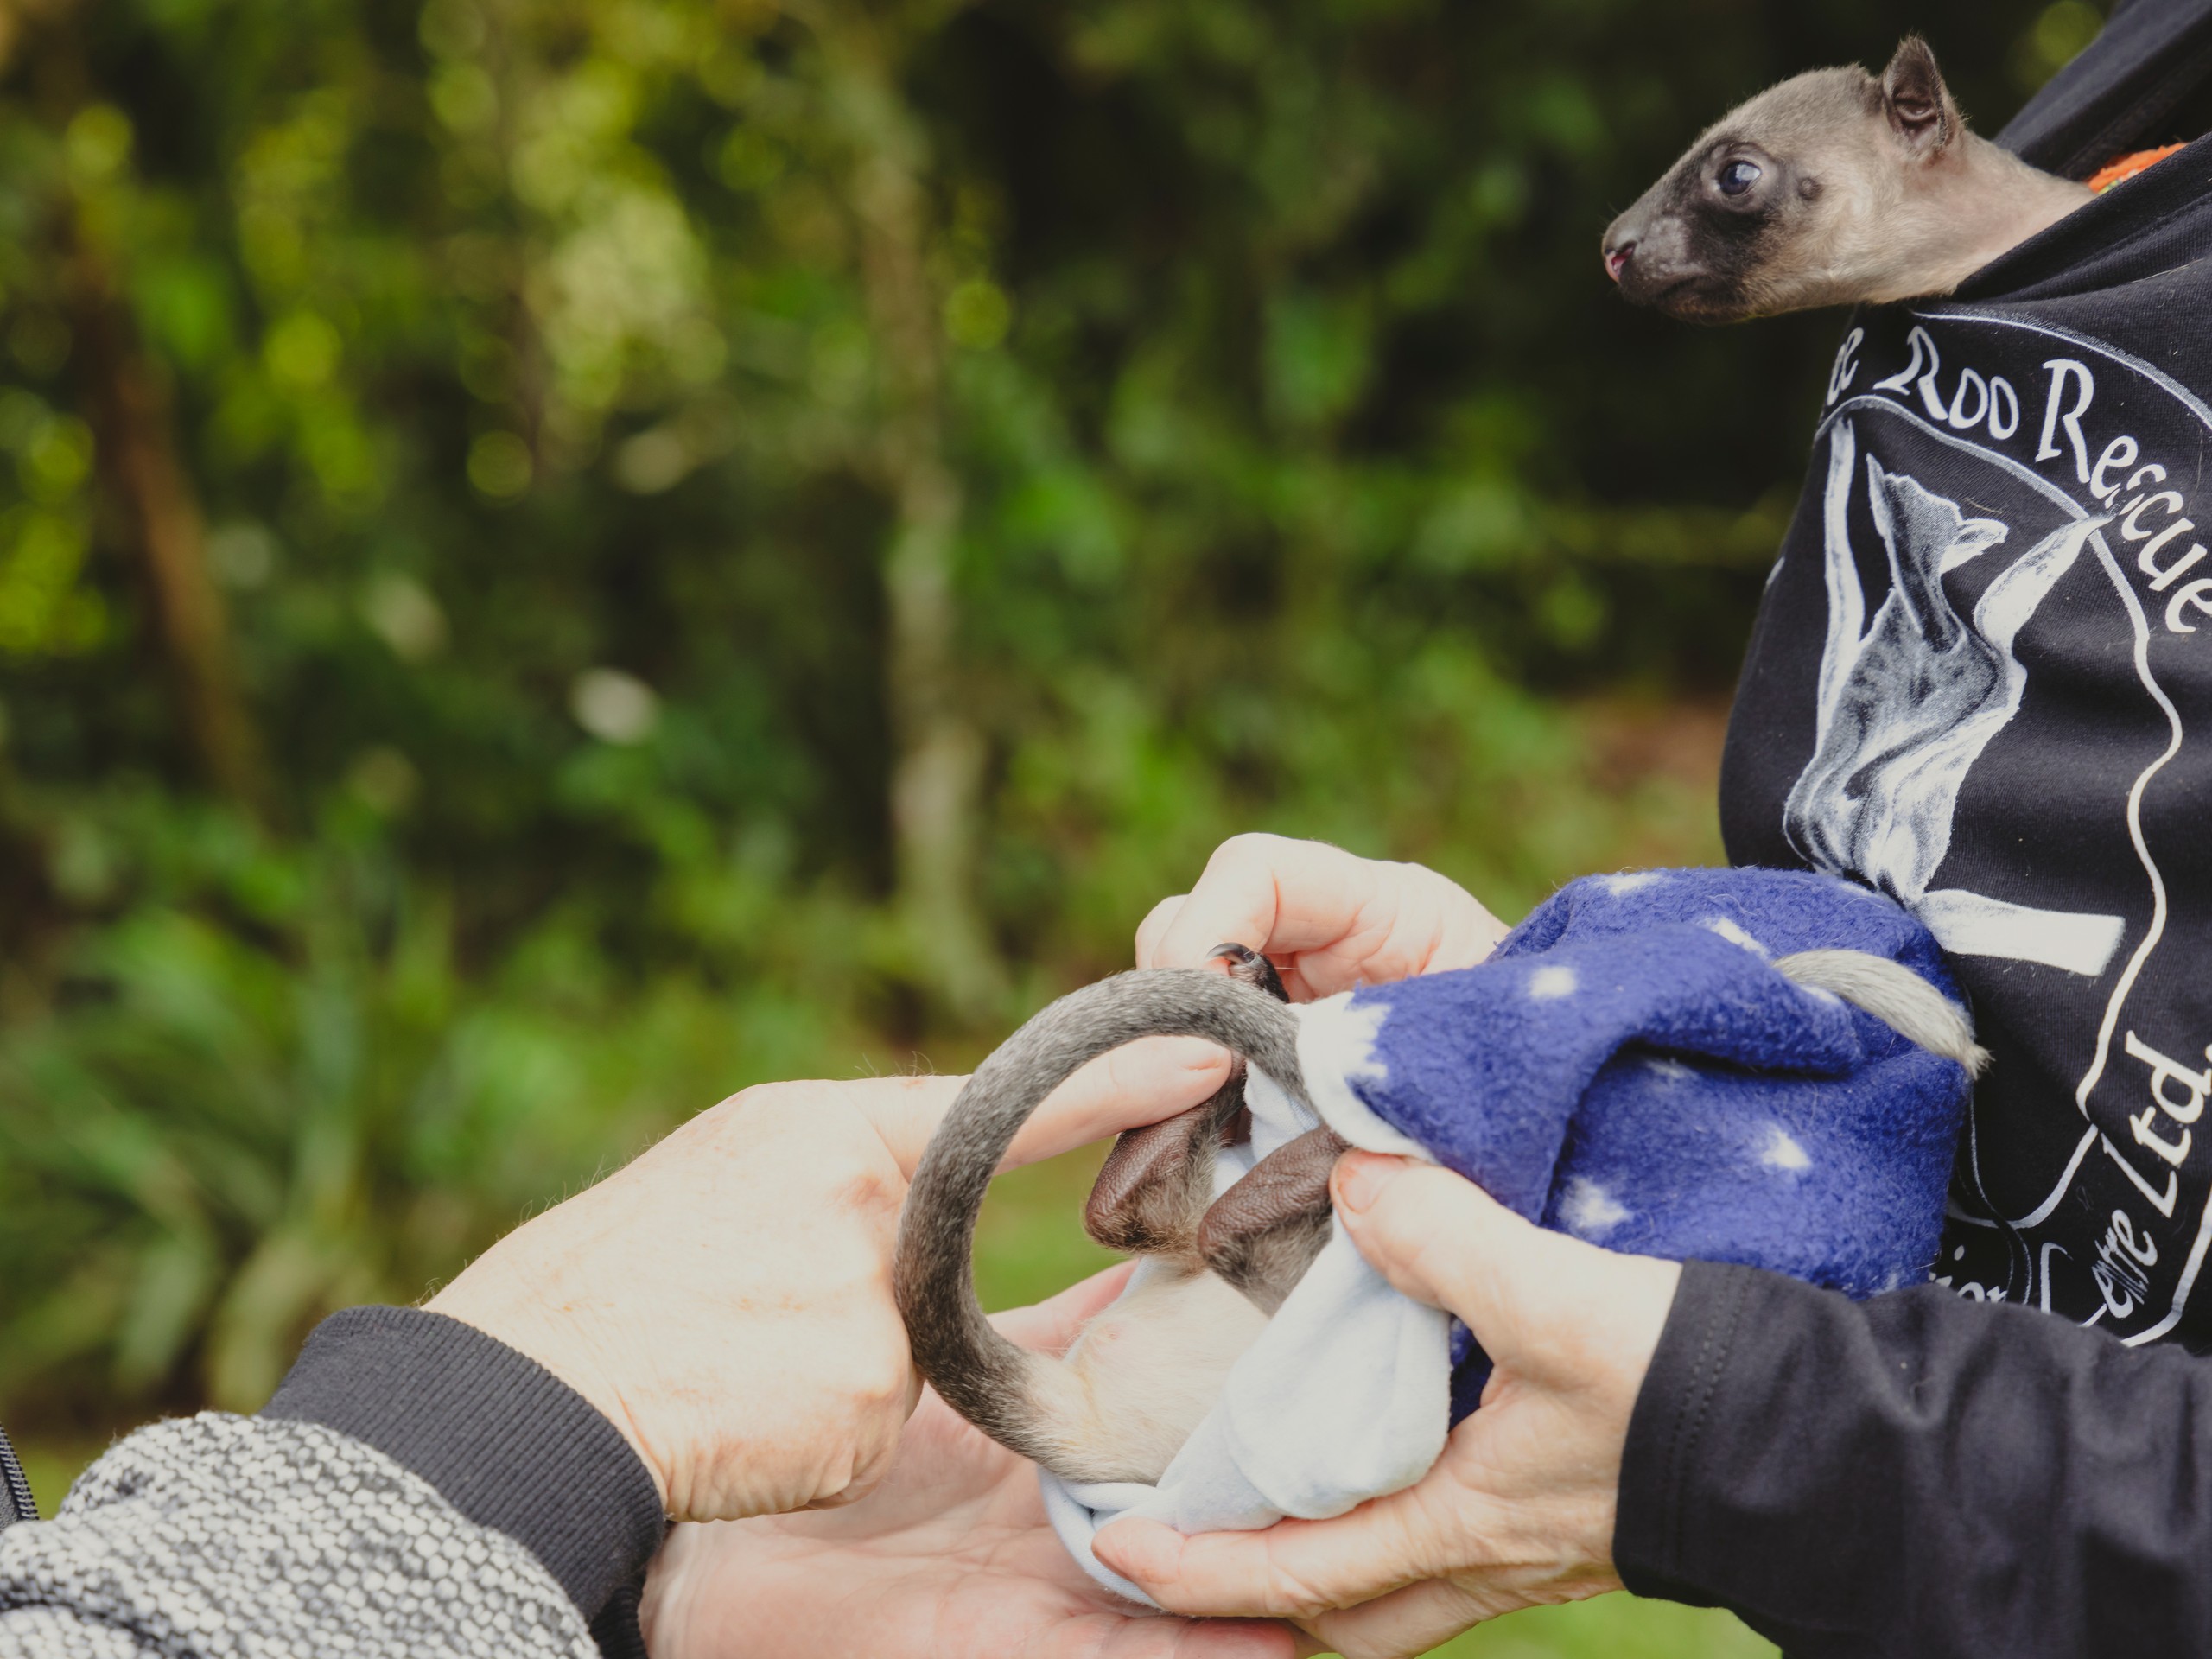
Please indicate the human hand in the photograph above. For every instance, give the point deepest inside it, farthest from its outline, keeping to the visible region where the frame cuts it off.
(950, 1557)
(725, 1299)
(1519, 1511)
(1327, 919)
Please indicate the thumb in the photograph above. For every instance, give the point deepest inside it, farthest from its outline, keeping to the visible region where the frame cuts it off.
(1050, 1326)
(1442, 1240)
(1550, 1307)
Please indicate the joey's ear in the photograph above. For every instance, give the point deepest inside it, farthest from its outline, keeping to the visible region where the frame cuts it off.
(1916, 100)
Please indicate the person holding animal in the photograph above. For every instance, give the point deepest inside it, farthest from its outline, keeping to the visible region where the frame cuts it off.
(1973, 690)
(707, 1334)
(1975, 687)
(1972, 693)
(1988, 720)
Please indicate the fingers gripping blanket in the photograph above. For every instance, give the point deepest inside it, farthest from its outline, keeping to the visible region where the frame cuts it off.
(1629, 1067)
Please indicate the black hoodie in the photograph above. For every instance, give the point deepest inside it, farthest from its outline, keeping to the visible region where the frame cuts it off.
(1982, 680)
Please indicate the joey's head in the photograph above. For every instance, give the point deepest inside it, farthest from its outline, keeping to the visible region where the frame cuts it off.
(1833, 188)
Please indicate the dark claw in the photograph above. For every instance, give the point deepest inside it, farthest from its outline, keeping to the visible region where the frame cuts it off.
(1237, 1126)
(1250, 966)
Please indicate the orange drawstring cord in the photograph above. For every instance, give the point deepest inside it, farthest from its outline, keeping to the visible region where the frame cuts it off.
(2127, 166)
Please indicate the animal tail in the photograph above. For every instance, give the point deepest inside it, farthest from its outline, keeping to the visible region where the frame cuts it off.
(1896, 995)
(1023, 1401)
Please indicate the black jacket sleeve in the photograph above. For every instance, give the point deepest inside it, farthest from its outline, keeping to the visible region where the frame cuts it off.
(1918, 1475)
(502, 1439)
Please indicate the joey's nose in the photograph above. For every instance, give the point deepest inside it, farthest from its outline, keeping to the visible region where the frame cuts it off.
(1621, 240)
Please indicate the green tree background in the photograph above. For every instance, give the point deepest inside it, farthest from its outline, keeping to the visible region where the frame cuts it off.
(557, 559)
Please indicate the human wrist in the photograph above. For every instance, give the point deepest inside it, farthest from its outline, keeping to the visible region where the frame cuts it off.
(518, 1319)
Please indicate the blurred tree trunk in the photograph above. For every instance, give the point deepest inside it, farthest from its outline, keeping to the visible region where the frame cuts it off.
(136, 442)
(936, 779)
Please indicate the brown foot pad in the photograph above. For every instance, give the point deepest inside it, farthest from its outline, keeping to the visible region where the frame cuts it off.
(1264, 1232)
(1156, 1183)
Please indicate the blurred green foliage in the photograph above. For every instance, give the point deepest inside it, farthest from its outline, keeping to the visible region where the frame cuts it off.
(560, 558)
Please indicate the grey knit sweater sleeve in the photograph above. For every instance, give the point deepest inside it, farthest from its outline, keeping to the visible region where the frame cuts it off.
(220, 1535)
(414, 1489)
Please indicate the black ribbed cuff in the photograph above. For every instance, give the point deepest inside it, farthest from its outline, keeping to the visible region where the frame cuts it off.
(1666, 1430)
(504, 1441)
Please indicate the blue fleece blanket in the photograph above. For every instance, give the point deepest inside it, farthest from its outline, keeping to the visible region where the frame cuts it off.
(1628, 1067)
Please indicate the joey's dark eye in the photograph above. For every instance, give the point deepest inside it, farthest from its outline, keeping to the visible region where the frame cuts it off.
(1738, 177)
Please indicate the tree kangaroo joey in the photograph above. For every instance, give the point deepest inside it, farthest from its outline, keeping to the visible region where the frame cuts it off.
(1143, 1373)
(1833, 188)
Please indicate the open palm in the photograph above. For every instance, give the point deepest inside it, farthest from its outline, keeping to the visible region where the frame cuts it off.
(950, 1557)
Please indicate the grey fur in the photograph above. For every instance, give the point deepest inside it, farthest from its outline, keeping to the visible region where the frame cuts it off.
(989, 1380)
(1896, 995)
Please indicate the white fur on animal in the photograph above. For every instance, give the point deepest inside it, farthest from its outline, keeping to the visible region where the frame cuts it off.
(1833, 188)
